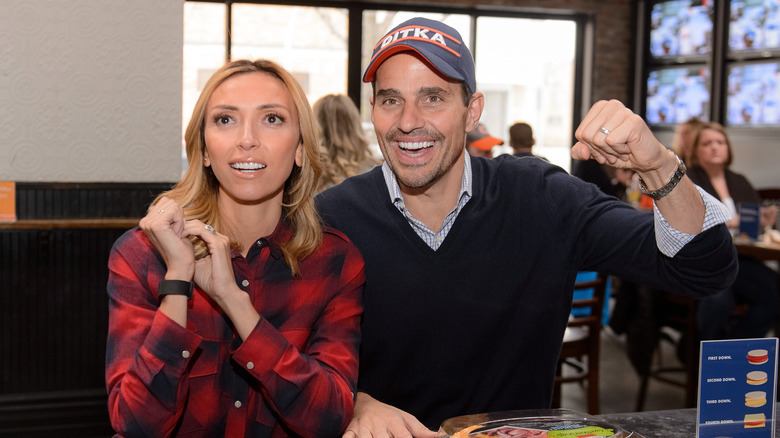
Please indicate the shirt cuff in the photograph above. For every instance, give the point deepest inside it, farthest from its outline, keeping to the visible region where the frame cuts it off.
(670, 240)
(170, 342)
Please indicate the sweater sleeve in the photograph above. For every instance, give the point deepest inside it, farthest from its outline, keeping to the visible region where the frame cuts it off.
(610, 236)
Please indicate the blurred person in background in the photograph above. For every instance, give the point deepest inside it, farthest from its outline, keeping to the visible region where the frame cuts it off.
(479, 142)
(344, 144)
(756, 284)
(522, 141)
(682, 142)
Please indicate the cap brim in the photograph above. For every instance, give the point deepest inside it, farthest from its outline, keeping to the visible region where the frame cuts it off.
(486, 143)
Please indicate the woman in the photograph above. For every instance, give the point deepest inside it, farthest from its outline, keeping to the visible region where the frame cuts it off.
(267, 344)
(682, 142)
(756, 284)
(345, 146)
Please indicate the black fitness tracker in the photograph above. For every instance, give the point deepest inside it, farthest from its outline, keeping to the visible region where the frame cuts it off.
(175, 287)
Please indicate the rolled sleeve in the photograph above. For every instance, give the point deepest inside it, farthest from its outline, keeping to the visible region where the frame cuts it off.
(670, 240)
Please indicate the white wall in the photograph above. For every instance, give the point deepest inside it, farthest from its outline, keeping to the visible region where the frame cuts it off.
(756, 154)
(90, 91)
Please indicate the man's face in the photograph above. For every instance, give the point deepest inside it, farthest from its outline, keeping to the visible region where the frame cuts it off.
(421, 122)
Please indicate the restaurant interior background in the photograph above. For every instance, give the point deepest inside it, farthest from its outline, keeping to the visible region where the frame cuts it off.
(94, 96)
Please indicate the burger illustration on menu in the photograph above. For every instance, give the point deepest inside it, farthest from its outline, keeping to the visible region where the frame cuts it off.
(758, 357)
(756, 378)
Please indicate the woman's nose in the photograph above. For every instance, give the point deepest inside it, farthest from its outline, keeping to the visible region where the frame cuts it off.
(249, 137)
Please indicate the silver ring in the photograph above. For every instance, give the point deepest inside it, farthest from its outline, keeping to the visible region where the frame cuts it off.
(604, 130)
(161, 211)
(210, 229)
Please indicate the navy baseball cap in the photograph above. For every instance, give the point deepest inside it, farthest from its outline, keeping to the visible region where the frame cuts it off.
(440, 46)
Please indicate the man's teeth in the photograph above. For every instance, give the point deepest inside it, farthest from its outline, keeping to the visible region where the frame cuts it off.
(413, 146)
(247, 166)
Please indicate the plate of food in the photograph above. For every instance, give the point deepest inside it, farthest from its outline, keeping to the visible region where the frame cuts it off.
(551, 423)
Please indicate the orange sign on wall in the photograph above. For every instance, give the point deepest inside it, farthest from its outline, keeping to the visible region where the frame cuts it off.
(7, 201)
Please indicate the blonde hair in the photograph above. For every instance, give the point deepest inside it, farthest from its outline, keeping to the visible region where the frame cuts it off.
(344, 144)
(685, 131)
(713, 126)
(198, 190)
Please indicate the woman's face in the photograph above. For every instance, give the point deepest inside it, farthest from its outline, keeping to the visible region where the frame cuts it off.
(712, 149)
(252, 137)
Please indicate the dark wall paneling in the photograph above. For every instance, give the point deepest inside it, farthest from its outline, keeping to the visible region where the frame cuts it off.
(85, 200)
(54, 308)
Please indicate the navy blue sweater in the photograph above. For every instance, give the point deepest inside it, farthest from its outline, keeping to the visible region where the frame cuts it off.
(476, 326)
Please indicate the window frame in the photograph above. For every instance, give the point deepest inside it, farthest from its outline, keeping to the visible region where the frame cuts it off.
(584, 35)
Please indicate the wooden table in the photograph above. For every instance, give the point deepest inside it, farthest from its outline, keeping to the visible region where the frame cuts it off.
(757, 250)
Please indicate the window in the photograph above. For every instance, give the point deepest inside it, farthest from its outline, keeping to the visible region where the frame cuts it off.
(534, 82)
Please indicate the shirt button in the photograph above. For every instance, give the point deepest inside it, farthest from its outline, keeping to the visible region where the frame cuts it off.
(249, 365)
(260, 243)
(245, 283)
(237, 403)
(185, 354)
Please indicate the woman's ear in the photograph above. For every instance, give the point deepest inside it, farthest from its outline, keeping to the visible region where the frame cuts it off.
(206, 160)
(299, 154)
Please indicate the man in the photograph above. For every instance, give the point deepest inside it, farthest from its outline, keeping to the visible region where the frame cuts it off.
(470, 263)
(479, 142)
(521, 138)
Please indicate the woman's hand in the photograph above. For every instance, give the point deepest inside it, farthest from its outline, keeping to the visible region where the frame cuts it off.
(164, 225)
(214, 275)
(768, 216)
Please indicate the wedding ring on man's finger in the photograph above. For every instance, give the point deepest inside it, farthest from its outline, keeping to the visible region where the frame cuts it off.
(604, 130)
(161, 211)
(210, 229)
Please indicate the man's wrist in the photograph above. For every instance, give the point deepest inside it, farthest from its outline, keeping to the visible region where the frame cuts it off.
(669, 185)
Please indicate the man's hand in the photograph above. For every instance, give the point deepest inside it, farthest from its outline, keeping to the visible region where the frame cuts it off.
(374, 419)
(611, 133)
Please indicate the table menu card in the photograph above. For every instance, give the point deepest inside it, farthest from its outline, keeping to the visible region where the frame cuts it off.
(7, 201)
(737, 388)
(749, 219)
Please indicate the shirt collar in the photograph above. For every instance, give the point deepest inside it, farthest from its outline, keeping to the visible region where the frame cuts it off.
(395, 190)
(278, 236)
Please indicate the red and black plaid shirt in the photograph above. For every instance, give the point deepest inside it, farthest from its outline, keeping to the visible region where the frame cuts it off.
(294, 375)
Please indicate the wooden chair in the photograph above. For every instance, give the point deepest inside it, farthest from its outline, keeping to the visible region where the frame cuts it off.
(678, 313)
(581, 343)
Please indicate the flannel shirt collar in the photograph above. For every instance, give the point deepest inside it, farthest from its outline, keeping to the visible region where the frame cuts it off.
(280, 235)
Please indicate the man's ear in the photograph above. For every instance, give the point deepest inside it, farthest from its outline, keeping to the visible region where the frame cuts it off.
(474, 111)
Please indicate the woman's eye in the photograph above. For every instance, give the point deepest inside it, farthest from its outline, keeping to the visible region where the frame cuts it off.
(274, 119)
(221, 120)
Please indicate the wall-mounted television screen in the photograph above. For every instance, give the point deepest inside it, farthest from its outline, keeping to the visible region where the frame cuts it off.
(753, 94)
(754, 26)
(676, 94)
(681, 28)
